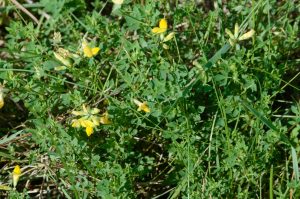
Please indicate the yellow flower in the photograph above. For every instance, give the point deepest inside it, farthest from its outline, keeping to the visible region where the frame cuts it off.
(88, 120)
(89, 125)
(234, 38)
(16, 175)
(104, 119)
(142, 106)
(1, 98)
(88, 51)
(163, 25)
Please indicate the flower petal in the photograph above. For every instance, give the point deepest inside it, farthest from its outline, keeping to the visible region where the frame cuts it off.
(85, 109)
(65, 60)
(137, 102)
(95, 120)
(155, 30)
(162, 30)
(229, 33)
(236, 30)
(88, 51)
(89, 130)
(59, 68)
(95, 51)
(95, 111)
(104, 119)
(163, 24)
(142, 106)
(169, 37)
(247, 35)
(75, 123)
(232, 42)
(17, 170)
(165, 46)
(77, 113)
(86, 123)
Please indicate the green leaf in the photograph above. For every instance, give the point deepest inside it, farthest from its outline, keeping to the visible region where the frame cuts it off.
(6, 139)
(7, 156)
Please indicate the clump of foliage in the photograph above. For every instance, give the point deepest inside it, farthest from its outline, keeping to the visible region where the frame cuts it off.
(149, 99)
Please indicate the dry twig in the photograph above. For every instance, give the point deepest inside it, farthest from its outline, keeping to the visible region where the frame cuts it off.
(18, 5)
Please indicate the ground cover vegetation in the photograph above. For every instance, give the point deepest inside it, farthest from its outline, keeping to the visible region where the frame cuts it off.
(149, 99)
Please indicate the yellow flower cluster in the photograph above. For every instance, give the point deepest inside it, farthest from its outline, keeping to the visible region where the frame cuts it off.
(234, 38)
(161, 29)
(65, 57)
(89, 119)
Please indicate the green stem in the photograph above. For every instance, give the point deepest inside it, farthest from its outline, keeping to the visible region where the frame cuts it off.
(271, 183)
(51, 76)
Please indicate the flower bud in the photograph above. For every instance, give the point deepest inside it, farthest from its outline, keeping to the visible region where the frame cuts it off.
(16, 175)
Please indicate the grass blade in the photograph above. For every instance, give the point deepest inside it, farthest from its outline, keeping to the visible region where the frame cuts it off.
(267, 122)
(217, 56)
(271, 183)
(295, 164)
(209, 64)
